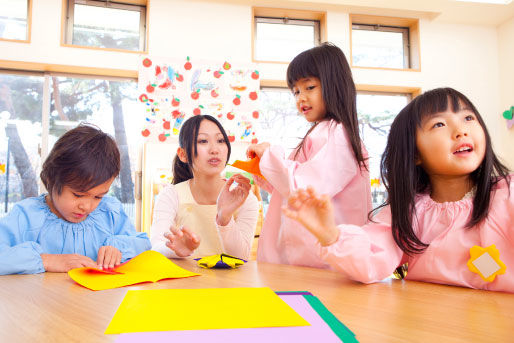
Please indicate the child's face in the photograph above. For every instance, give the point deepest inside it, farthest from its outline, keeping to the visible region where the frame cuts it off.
(75, 206)
(212, 150)
(450, 144)
(309, 99)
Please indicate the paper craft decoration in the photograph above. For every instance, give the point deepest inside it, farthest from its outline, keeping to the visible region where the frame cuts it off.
(2, 168)
(201, 309)
(251, 166)
(486, 262)
(171, 91)
(509, 116)
(220, 261)
(324, 328)
(147, 266)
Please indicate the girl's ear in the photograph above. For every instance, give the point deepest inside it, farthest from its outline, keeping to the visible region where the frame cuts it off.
(181, 153)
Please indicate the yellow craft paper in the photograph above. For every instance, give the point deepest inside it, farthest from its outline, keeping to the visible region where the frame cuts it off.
(147, 266)
(476, 251)
(202, 309)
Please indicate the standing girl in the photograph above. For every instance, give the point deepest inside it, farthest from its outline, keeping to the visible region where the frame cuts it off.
(330, 158)
(200, 214)
(75, 224)
(450, 207)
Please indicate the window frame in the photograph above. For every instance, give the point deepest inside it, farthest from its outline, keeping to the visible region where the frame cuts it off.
(29, 27)
(297, 17)
(68, 22)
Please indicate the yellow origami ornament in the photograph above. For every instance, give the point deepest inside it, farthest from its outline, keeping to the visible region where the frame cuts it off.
(486, 262)
(220, 261)
(2, 168)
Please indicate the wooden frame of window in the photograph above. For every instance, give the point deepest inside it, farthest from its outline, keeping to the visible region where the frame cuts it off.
(29, 26)
(281, 14)
(392, 22)
(67, 25)
(413, 91)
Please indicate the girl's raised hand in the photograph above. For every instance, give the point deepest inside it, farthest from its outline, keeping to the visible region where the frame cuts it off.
(182, 241)
(62, 263)
(315, 213)
(108, 257)
(229, 200)
(257, 150)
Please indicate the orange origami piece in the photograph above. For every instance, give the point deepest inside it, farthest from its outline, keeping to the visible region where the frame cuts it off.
(251, 166)
(147, 266)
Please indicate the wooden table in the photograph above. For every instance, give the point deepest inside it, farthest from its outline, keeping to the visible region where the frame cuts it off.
(50, 307)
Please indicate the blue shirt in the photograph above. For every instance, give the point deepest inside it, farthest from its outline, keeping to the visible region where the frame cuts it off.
(31, 229)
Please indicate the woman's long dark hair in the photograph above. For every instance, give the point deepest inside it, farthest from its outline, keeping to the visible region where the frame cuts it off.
(328, 63)
(403, 179)
(187, 141)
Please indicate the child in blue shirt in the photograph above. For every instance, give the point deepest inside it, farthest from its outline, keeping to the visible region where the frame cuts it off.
(75, 224)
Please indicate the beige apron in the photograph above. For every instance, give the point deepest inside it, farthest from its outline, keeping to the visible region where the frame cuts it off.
(201, 219)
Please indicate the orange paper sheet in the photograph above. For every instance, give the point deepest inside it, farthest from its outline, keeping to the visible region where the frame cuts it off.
(251, 166)
(147, 266)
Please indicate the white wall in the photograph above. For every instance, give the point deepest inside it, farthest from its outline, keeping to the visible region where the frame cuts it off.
(506, 62)
(461, 56)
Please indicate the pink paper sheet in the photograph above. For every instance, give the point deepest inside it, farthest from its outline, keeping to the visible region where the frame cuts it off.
(319, 331)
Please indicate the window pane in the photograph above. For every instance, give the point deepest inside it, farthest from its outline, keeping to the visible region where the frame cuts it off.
(281, 124)
(378, 49)
(111, 105)
(282, 42)
(106, 27)
(13, 19)
(21, 99)
(376, 112)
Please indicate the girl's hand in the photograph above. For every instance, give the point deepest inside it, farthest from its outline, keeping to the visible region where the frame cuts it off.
(62, 263)
(182, 241)
(230, 200)
(108, 257)
(257, 150)
(315, 213)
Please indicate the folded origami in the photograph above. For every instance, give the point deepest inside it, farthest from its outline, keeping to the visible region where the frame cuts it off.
(220, 261)
(145, 267)
(251, 166)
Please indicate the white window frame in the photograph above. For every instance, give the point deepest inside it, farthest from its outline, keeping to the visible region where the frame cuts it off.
(70, 15)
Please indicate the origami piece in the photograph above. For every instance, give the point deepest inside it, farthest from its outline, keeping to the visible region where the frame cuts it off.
(251, 166)
(486, 262)
(220, 261)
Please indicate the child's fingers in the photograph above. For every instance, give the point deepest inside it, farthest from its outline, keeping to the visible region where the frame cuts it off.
(118, 258)
(100, 257)
(289, 213)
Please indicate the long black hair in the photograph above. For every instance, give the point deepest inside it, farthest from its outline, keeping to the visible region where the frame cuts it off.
(187, 138)
(82, 158)
(328, 63)
(403, 179)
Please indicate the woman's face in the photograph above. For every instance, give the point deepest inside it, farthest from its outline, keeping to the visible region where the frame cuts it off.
(212, 150)
(450, 143)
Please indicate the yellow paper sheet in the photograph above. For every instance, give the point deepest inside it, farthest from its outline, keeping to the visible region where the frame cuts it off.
(147, 266)
(202, 309)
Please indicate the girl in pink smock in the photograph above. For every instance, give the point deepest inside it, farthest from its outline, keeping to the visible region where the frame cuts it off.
(450, 207)
(331, 157)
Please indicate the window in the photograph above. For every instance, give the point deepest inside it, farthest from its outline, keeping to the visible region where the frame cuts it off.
(384, 42)
(106, 24)
(14, 19)
(380, 46)
(376, 112)
(107, 103)
(280, 35)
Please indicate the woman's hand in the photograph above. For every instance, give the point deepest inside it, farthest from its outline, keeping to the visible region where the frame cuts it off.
(257, 150)
(62, 263)
(108, 257)
(230, 200)
(315, 213)
(182, 241)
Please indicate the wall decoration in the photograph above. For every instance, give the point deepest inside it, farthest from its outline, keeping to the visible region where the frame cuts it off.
(172, 91)
(509, 116)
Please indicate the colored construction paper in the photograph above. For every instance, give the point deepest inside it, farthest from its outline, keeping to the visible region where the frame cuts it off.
(202, 309)
(220, 261)
(149, 266)
(251, 166)
(318, 331)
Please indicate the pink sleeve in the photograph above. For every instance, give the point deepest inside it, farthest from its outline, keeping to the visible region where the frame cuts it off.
(330, 164)
(366, 254)
(237, 235)
(259, 181)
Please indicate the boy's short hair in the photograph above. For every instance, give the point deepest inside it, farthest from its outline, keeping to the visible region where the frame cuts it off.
(81, 159)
